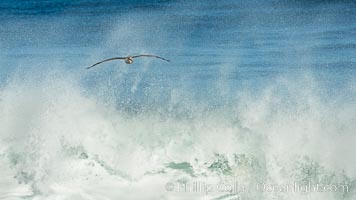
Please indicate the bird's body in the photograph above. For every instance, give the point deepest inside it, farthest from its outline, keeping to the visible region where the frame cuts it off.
(128, 59)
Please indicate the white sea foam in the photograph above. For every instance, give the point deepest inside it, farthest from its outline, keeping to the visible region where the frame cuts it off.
(60, 142)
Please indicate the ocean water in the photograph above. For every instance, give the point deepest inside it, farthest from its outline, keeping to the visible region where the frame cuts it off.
(258, 101)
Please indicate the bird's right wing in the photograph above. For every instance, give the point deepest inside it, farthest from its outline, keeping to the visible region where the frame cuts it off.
(147, 55)
(106, 60)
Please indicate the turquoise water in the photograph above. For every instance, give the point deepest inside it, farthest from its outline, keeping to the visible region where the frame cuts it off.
(259, 93)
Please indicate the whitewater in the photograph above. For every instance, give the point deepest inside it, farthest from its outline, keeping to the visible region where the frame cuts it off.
(263, 108)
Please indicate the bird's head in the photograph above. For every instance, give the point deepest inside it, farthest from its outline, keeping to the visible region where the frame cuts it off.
(129, 60)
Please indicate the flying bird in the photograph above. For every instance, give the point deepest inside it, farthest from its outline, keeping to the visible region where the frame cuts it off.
(128, 59)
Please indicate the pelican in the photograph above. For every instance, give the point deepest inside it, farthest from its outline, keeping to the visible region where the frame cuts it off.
(128, 59)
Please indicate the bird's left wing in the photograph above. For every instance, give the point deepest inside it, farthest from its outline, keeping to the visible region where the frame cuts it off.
(106, 60)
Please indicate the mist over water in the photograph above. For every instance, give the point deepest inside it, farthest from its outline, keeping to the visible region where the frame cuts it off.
(256, 92)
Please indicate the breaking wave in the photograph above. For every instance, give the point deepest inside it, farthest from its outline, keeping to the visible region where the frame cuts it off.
(60, 141)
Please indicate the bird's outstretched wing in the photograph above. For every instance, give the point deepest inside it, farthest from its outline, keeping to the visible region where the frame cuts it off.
(145, 55)
(106, 60)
